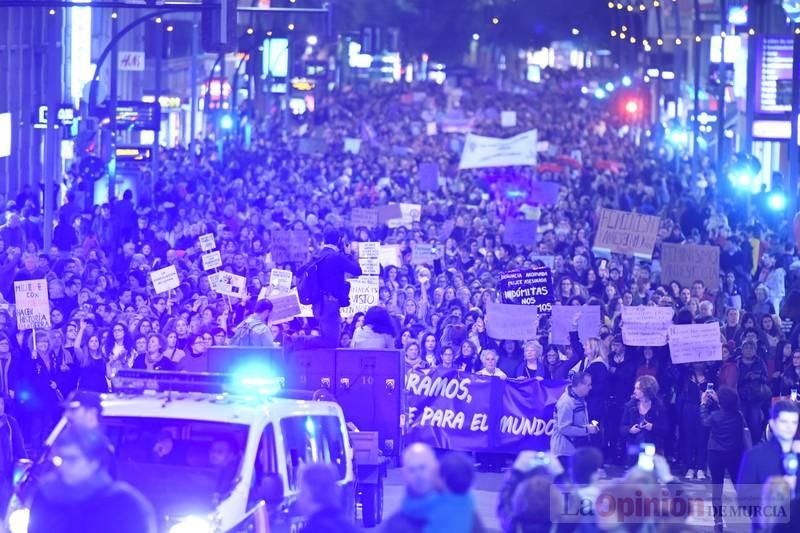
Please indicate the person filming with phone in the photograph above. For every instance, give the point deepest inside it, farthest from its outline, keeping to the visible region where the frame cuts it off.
(573, 422)
(643, 416)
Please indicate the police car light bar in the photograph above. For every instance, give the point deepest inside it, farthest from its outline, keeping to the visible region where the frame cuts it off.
(138, 381)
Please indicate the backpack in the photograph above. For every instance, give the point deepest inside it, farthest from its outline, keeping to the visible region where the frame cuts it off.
(243, 334)
(309, 288)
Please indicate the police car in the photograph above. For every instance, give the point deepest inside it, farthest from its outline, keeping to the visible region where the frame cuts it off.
(216, 453)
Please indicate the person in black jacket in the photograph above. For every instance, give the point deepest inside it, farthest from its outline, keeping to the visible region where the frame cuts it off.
(720, 413)
(643, 417)
(319, 499)
(767, 459)
(622, 376)
(334, 263)
(12, 448)
(82, 497)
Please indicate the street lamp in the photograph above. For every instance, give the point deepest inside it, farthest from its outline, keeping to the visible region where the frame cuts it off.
(312, 40)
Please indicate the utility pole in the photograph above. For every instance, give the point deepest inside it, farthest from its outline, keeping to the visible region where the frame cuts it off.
(52, 155)
(193, 81)
(721, 95)
(155, 163)
(697, 47)
(112, 125)
(794, 163)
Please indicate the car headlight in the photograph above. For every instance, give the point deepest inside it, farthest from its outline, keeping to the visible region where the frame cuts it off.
(18, 520)
(191, 524)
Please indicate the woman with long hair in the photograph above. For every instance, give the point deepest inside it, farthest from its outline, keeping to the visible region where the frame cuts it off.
(377, 332)
(118, 345)
(430, 349)
(93, 372)
(65, 365)
(643, 417)
(172, 352)
(467, 358)
(693, 438)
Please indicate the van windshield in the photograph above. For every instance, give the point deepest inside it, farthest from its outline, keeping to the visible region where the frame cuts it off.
(182, 466)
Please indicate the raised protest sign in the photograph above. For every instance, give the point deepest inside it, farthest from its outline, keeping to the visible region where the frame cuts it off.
(289, 246)
(352, 146)
(369, 258)
(508, 119)
(311, 145)
(544, 192)
(520, 232)
(363, 295)
(423, 254)
(646, 325)
(511, 322)
(528, 287)
(389, 212)
(428, 177)
(227, 284)
(390, 255)
(165, 279)
(626, 233)
(33, 304)
(280, 280)
(207, 242)
(695, 343)
(487, 152)
(686, 263)
(431, 128)
(284, 308)
(563, 318)
(367, 218)
(460, 411)
(409, 213)
(212, 260)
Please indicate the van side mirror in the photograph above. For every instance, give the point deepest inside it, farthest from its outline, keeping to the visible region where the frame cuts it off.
(21, 469)
(271, 490)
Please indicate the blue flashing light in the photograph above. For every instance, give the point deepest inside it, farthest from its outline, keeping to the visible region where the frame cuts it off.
(226, 122)
(609, 86)
(256, 380)
(678, 137)
(311, 429)
(626, 81)
(776, 201)
(599, 93)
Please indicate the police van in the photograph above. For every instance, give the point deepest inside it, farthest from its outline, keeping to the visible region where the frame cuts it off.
(216, 453)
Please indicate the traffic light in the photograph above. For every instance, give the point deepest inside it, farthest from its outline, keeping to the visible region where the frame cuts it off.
(219, 26)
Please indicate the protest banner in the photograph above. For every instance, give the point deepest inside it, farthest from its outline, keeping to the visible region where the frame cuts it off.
(352, 146)
(626, 233)
(487, 152)
(228, 284)
(390, 255)
(280, 280)
(409, 213)
(511, 322)
(212, 260)
(528, 287)
(33, 304)
(456, 410)
(423, 254)
(207, 242)
(520, 232)
(165, 279)
(289, 246)
(563, 318)
(544, 192)
(508, 119)
(366, 218)
(363, 295)
(686, 263)
(695, 343)
(284, 308)
(646, 325)
(428, 177)
(311, 145)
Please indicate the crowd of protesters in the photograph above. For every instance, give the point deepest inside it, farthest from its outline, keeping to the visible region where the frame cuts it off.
(105, 313)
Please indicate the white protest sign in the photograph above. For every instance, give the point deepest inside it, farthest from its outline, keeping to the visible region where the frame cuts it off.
(369, 258)
(695, 343)
(207, 242)
(228, 284)
(423, 254)
(352, 146)
(284, 308)
(508, 119)
(646, 325)
(511, 322)
(364, 293)
(212, 260)
(430, 128)
(563, 317)
(487, 152)
(390, 255)
(165, 279)
(33, 304)
(280, 280)
(409, 213)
